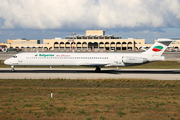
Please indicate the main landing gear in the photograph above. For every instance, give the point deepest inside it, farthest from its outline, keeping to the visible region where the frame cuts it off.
(12, 68)
(98, 69)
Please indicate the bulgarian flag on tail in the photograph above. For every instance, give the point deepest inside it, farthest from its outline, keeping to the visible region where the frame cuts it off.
(157, 48)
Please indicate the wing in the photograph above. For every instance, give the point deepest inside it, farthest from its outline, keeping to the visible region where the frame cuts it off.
(94, 64)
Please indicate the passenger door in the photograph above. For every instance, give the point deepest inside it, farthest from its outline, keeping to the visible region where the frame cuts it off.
(117, 60)
(19, 58)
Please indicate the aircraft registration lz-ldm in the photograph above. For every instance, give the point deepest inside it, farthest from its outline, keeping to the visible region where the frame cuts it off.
(97, 60)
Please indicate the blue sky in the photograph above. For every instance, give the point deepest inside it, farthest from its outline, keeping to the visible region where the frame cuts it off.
(43, 19)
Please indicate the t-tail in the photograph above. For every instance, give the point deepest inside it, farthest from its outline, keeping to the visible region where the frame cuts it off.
(159, 47)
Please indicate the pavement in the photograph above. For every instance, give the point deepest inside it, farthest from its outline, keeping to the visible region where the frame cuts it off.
(89, 73)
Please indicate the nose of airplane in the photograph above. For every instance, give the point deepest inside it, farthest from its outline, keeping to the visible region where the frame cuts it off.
(7, 62)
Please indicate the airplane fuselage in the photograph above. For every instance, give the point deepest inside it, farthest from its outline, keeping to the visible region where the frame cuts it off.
(77, 59)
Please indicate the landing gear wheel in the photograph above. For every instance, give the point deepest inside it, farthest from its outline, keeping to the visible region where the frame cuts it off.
(12, 68)
(98, 69)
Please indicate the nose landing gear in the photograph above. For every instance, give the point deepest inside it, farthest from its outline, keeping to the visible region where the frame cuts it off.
(12, 68)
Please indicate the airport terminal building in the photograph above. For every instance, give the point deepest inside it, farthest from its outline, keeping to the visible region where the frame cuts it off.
(93, 40)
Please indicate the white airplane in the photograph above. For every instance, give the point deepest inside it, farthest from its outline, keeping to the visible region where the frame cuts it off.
(97, 60)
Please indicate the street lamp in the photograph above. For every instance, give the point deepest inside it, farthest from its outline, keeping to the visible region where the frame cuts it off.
(73, 33)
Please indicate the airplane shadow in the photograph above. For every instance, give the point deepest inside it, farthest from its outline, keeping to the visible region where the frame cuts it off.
(119, 71)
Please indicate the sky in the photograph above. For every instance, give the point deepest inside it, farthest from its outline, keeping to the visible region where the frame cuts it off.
(44, 19)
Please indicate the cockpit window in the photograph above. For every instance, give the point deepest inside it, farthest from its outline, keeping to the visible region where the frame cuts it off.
(14, 56)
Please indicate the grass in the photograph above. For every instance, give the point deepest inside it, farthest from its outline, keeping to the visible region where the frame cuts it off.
(83, 99)
(152, 65)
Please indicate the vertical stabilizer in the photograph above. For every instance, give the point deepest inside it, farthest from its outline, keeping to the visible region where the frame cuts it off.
(159, 47)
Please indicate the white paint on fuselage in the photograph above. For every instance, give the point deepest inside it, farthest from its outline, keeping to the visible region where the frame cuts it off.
(70, 59)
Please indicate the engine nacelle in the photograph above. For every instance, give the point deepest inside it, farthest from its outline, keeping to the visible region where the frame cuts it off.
(133, 60)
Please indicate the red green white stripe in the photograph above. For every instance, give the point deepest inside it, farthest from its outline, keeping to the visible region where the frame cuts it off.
(157, 48)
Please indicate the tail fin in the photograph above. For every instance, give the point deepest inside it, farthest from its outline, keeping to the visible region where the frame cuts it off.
(159, 47)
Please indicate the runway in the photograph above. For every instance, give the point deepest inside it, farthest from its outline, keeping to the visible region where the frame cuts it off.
(89, 73)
